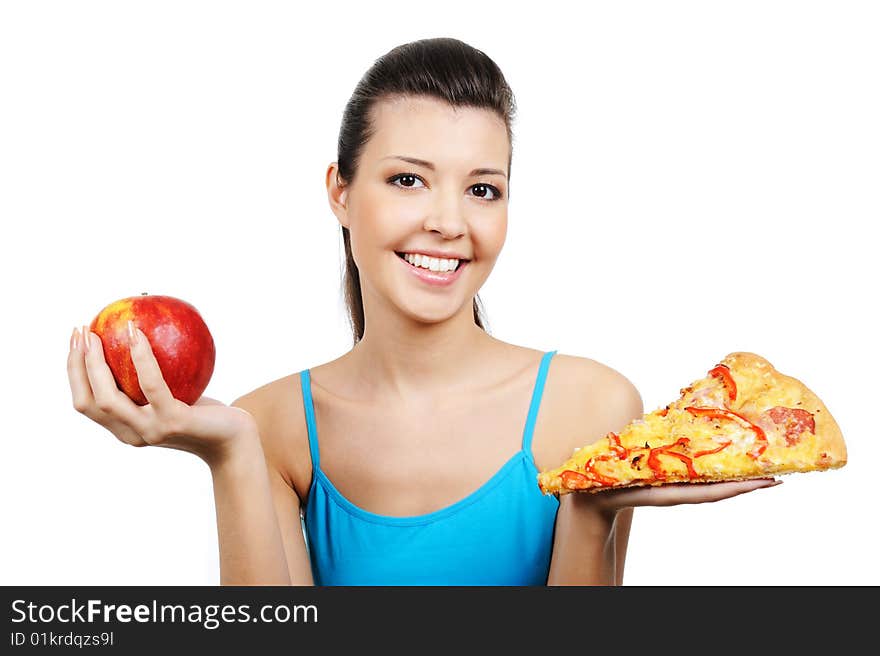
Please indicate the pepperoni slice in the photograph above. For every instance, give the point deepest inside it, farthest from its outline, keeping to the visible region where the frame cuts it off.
(794, 420)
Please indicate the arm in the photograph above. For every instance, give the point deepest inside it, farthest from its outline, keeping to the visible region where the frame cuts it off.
(257, 483)
(251, 549)
(621, 540)
(227, 439)
(590, 542)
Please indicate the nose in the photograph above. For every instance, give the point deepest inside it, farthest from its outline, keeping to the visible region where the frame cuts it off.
(447, 217)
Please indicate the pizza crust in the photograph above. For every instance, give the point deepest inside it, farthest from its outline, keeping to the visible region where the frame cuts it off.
(672, 480)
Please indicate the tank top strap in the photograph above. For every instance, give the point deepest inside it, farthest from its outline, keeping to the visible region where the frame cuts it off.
(537, 393)
(306, 384)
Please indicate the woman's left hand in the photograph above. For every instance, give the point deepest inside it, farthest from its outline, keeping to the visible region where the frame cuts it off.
(674, 494)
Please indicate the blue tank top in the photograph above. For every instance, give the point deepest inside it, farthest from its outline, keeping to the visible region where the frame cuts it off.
(500, 534)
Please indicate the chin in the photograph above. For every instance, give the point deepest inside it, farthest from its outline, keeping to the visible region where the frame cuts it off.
(440, 312)
(428, 317)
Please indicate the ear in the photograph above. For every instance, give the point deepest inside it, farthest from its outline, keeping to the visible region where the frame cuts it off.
(337, 194)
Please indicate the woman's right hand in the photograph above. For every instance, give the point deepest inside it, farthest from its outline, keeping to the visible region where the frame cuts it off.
(208, 428)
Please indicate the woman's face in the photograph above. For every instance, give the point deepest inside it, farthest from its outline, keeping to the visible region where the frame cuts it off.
(443, 204)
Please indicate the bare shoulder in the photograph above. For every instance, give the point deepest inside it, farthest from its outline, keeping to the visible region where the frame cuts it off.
(277, 408)
(585, 400)
(580, 373)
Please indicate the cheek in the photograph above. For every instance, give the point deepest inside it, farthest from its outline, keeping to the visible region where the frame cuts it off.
(358, 232)
(382, 221)
(489, 238)
(372, 235)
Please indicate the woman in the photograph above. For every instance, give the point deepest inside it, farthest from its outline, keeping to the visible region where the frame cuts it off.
(412, 458)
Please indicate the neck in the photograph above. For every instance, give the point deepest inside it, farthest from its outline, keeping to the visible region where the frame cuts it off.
(404, 359)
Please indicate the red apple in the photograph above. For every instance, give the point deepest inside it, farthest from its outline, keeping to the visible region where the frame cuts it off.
(178, 335)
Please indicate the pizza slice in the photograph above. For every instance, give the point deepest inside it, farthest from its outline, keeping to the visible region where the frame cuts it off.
(743, 420)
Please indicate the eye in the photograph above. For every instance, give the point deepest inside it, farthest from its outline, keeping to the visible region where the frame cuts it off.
(412, 177)
(405, 176)
(494, 190)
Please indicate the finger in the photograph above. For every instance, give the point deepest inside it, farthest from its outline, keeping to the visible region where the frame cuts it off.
(206, 400)
(125, 434)
(729, 489)
(150, 377)
(713, 491)
(84, 401)
(80, 388)
(108, 398)
(681, 493)
(635, 496)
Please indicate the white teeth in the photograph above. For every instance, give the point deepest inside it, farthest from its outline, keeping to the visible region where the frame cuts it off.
(432, 263)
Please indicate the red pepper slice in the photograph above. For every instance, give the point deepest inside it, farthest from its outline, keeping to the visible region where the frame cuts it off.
(722, 371)
(663, 412)
(654, 460)
(654, 464)
(573, 480)
(592, 474)
(621, 451)
(692, 473)
(721, 413)
(706, 453)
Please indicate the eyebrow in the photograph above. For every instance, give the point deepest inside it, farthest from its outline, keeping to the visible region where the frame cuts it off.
(431, 167)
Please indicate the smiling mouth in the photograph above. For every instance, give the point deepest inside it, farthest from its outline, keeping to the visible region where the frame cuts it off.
(460, 264)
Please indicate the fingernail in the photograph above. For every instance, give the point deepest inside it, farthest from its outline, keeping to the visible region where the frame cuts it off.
(86, 340)
(73, 339)
(132, 333)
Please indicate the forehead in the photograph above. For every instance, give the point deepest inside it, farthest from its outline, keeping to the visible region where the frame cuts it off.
(432, 129)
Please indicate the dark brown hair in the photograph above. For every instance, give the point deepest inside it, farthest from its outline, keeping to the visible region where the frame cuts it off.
(442, 68)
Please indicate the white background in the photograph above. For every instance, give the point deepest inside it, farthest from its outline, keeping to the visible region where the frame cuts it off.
(689, 179)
